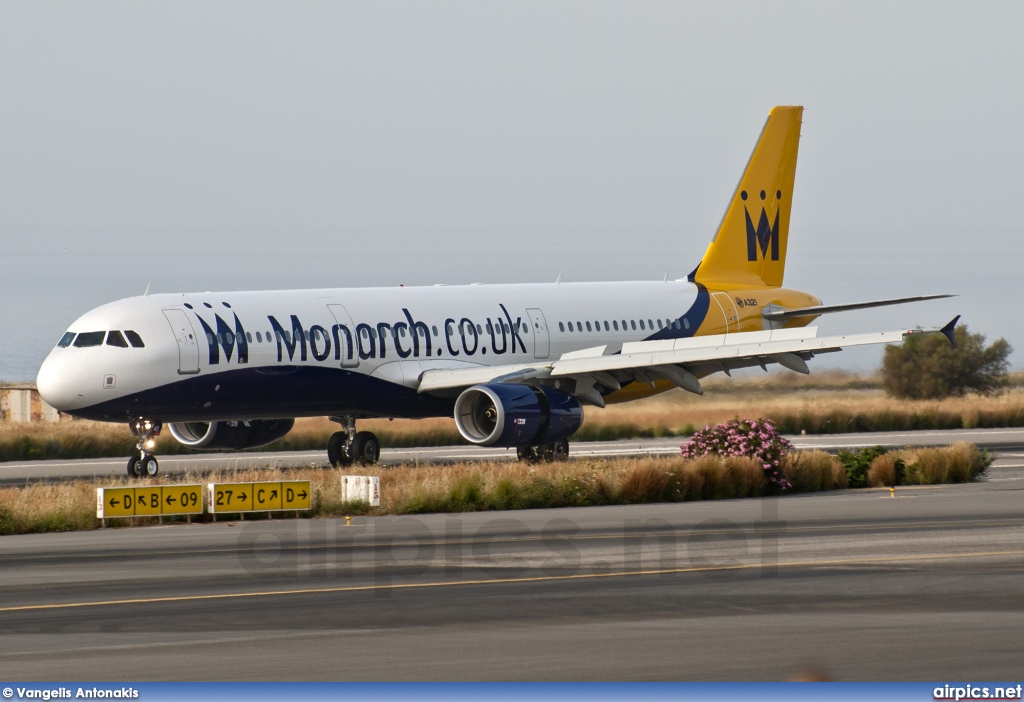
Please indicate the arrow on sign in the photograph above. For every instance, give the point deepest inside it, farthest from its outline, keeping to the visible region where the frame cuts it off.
(114, 502)
(273, 494)
(170, 499)
(302, 494)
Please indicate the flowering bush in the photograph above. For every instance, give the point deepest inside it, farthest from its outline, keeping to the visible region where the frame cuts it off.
(756, 438)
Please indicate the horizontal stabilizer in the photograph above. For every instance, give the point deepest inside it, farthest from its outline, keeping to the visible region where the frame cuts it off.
(780, 314)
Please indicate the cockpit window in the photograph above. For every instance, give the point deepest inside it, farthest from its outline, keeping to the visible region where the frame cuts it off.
(66, 340)
(89, 339)
(116, 338)
(134, 339)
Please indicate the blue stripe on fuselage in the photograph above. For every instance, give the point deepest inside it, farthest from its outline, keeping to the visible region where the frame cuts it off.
(695, 316)
(271, 392)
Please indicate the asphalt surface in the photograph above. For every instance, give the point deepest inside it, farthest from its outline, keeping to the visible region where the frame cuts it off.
(1005, 441)
(853, 585)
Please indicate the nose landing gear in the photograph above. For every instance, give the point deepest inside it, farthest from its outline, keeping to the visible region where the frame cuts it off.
(142, 462)
(349, 446)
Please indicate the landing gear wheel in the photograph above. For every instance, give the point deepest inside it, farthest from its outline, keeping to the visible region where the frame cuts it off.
(336, 453)
(527, 454)
(133, 467)
(148, 466)
(559, 450)
(365, 448)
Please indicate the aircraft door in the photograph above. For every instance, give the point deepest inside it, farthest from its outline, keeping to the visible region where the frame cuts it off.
(541, 342)
(344, 334)
(732, 319)
(184, 334)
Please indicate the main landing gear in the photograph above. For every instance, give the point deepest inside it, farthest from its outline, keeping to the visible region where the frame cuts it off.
(349, 446)
(142, 463)
(545, 453)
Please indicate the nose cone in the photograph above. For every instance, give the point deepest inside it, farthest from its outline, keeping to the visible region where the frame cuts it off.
(58, 385)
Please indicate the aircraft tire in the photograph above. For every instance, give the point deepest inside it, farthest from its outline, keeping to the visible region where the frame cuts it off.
(336, 454)
(560, 450)
(133, 467)
(365, 448)
(528, 454)
(148, 466)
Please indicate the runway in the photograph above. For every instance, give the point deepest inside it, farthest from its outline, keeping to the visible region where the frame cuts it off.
(1004, 441)
(854, 585)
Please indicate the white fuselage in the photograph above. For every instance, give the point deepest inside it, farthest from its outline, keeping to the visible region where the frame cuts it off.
(360, 351)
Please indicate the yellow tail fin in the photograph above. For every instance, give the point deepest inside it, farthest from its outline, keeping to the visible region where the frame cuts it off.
(749, 249)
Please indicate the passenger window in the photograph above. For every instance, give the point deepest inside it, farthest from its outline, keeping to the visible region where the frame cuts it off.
(66, 340)
(606, 327)
(588, 326)
(248, 337)
(615, 323)
(115, 338)
(660, 325)
(561, 327)
(642, 325)
(686, 322)
(136, 341)
(89, 339)
(434, 329)
(650, 324)
(632, 323)
(259, 338)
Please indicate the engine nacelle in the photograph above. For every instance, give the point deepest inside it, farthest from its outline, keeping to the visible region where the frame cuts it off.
(516, 415)
(230, 436)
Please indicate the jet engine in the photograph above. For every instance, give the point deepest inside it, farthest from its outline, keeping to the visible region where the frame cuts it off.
(516, 415)
(230, 436)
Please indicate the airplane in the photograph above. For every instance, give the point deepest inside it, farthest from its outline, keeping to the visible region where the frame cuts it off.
(513, 364)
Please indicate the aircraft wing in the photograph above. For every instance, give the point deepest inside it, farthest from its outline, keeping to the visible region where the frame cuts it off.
(582, 373)
(781, 315)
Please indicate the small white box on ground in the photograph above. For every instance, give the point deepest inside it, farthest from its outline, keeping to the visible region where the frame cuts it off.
(364, 488)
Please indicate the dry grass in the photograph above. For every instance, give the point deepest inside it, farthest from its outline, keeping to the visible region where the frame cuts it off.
(811, 471)
(959, 463)
(883, 470)
(465, 487)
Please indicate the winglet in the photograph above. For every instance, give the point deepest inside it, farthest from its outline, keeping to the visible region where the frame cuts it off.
(947, 331)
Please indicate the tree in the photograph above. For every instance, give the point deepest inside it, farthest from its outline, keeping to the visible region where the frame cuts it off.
(926, 366)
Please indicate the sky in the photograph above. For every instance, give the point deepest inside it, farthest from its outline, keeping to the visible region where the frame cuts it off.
(252, 145)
